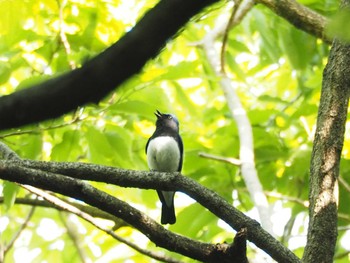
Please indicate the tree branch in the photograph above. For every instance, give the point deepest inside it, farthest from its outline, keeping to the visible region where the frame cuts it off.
(98, 77)
(229, 160)
(344, 184)
(7, 154)
(300, 16)
(44, 174)
(326, 153)
(77, 189)
(62, 33)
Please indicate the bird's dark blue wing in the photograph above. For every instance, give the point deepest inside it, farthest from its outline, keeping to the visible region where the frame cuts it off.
(147, 145)
(181, 148)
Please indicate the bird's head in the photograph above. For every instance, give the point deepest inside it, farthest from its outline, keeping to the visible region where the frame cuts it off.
(166, 120)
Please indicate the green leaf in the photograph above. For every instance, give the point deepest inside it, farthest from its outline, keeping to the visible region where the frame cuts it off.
(339, 26)
(5, 72)
(181, 70)
(68, 149)
(183, 98)
(298, 46)
(120, 140)
(269, 98)
(260, 117)
(100, 150)
(137, 107)
(269, 50)
(34, 80)
(10, 192)
(201, 227)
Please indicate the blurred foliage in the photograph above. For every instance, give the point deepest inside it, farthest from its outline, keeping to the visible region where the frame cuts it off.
(339, 26)
(276, 69)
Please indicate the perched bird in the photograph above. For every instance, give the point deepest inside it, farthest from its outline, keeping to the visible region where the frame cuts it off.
(164, 151)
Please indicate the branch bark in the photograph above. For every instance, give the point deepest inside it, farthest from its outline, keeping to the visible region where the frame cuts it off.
(48, 175)
(98, 77)
(82, 191)
(300, 16)
(328, 144)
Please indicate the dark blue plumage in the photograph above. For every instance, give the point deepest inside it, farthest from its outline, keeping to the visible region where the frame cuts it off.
(164, 151)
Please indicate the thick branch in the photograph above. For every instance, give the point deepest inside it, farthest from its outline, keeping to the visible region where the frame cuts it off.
(300, 16)
(102, 74)
(164, 181)
(82, 191)
(324, 170)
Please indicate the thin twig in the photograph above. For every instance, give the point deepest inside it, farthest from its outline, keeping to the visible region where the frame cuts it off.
(229, 160)
(76, 118)
(344, 183)
(20, 230)
(71, 231)
(342, 255)
(302, 202)
(225, 36)
(86, 209)
(63, 36)
(74, 210)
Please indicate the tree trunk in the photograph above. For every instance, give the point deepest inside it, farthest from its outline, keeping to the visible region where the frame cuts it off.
(328, 144)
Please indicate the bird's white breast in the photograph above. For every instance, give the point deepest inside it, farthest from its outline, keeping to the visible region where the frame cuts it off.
(163, 154)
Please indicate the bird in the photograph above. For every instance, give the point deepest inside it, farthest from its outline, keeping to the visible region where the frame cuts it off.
(164, 150)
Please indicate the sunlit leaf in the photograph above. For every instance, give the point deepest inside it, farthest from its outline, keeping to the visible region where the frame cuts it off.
(10, 191)
(339, 26)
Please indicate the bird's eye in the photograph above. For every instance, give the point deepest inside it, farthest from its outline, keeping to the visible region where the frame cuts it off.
(170, 117)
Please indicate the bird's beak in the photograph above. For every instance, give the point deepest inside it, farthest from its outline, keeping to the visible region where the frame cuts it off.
(158, 114)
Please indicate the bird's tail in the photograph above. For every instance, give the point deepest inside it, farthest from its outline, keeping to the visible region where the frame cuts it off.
(168, 210)
(168, 215)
